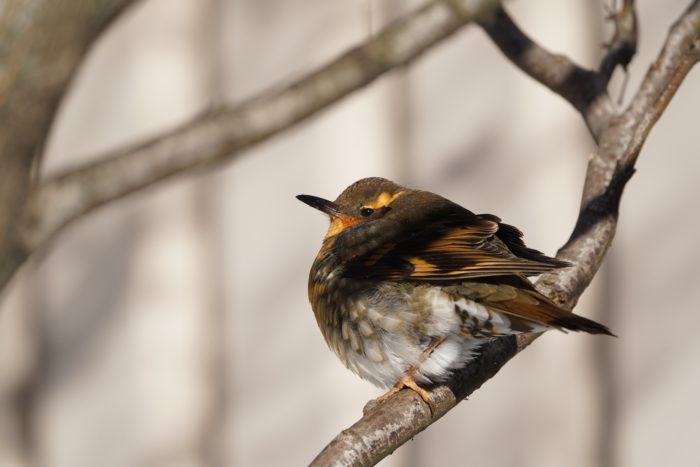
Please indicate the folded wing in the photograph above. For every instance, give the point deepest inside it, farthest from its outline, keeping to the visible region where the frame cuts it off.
(452, 249)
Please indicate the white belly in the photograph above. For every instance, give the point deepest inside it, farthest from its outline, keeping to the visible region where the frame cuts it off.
(387, 335)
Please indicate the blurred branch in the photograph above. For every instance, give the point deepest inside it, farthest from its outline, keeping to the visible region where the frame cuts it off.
(220, 134)
(41, 45)
(582, 88)
(386, 426)
(586, 90)
(623, 45)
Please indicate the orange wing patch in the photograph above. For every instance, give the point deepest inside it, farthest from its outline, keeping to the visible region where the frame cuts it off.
(421, 267)
(468, 252)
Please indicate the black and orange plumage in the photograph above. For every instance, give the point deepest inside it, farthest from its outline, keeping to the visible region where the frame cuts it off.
(407, 284)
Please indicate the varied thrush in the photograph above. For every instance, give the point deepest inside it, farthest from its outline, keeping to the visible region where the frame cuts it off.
(407, 284)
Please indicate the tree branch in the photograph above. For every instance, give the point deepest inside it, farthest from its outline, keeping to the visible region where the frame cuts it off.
(623, 45)
(41, 45)
(219, 135)
(580, 87)
(386, 426)
(586, 90)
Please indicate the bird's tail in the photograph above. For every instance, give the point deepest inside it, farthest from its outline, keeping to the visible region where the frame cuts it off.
(573, 322)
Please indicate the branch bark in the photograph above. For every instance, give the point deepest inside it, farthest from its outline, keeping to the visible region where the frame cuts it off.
(387, 425)
(585, 89)
(41, 45)
(623, 46)
(220, 134)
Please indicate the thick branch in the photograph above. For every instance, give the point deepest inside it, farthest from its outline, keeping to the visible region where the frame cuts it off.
(610, 168)
(41, 45)
(386, 426)
(218, 135)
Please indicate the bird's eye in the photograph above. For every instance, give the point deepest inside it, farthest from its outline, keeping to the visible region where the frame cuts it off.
(366, 212)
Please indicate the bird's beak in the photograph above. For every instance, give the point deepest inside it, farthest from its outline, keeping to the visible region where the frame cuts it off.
(339, 220)
(321, 204)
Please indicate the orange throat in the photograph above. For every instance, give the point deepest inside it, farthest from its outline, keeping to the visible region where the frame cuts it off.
(340, 223)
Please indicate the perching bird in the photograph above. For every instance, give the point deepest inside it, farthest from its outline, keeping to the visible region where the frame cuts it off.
(407, 284)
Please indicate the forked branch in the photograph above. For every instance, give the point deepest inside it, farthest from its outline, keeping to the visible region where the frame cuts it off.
(386, 426)
(585, 89)
(219, 135)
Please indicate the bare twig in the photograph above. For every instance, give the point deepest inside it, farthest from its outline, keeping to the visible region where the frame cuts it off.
(580, 87)
(614, 163)
(585, 89)
(623, 45)
(386, 426)
(220, 134)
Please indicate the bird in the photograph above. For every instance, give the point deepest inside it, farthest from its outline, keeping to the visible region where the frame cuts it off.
(408, 285)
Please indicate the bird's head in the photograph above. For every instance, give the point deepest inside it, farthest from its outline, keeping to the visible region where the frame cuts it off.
(365, 201)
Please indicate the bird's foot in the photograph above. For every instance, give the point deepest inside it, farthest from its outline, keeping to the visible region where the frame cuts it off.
(407, 381)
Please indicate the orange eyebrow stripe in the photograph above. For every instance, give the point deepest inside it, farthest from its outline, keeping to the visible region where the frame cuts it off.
(383, 200)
